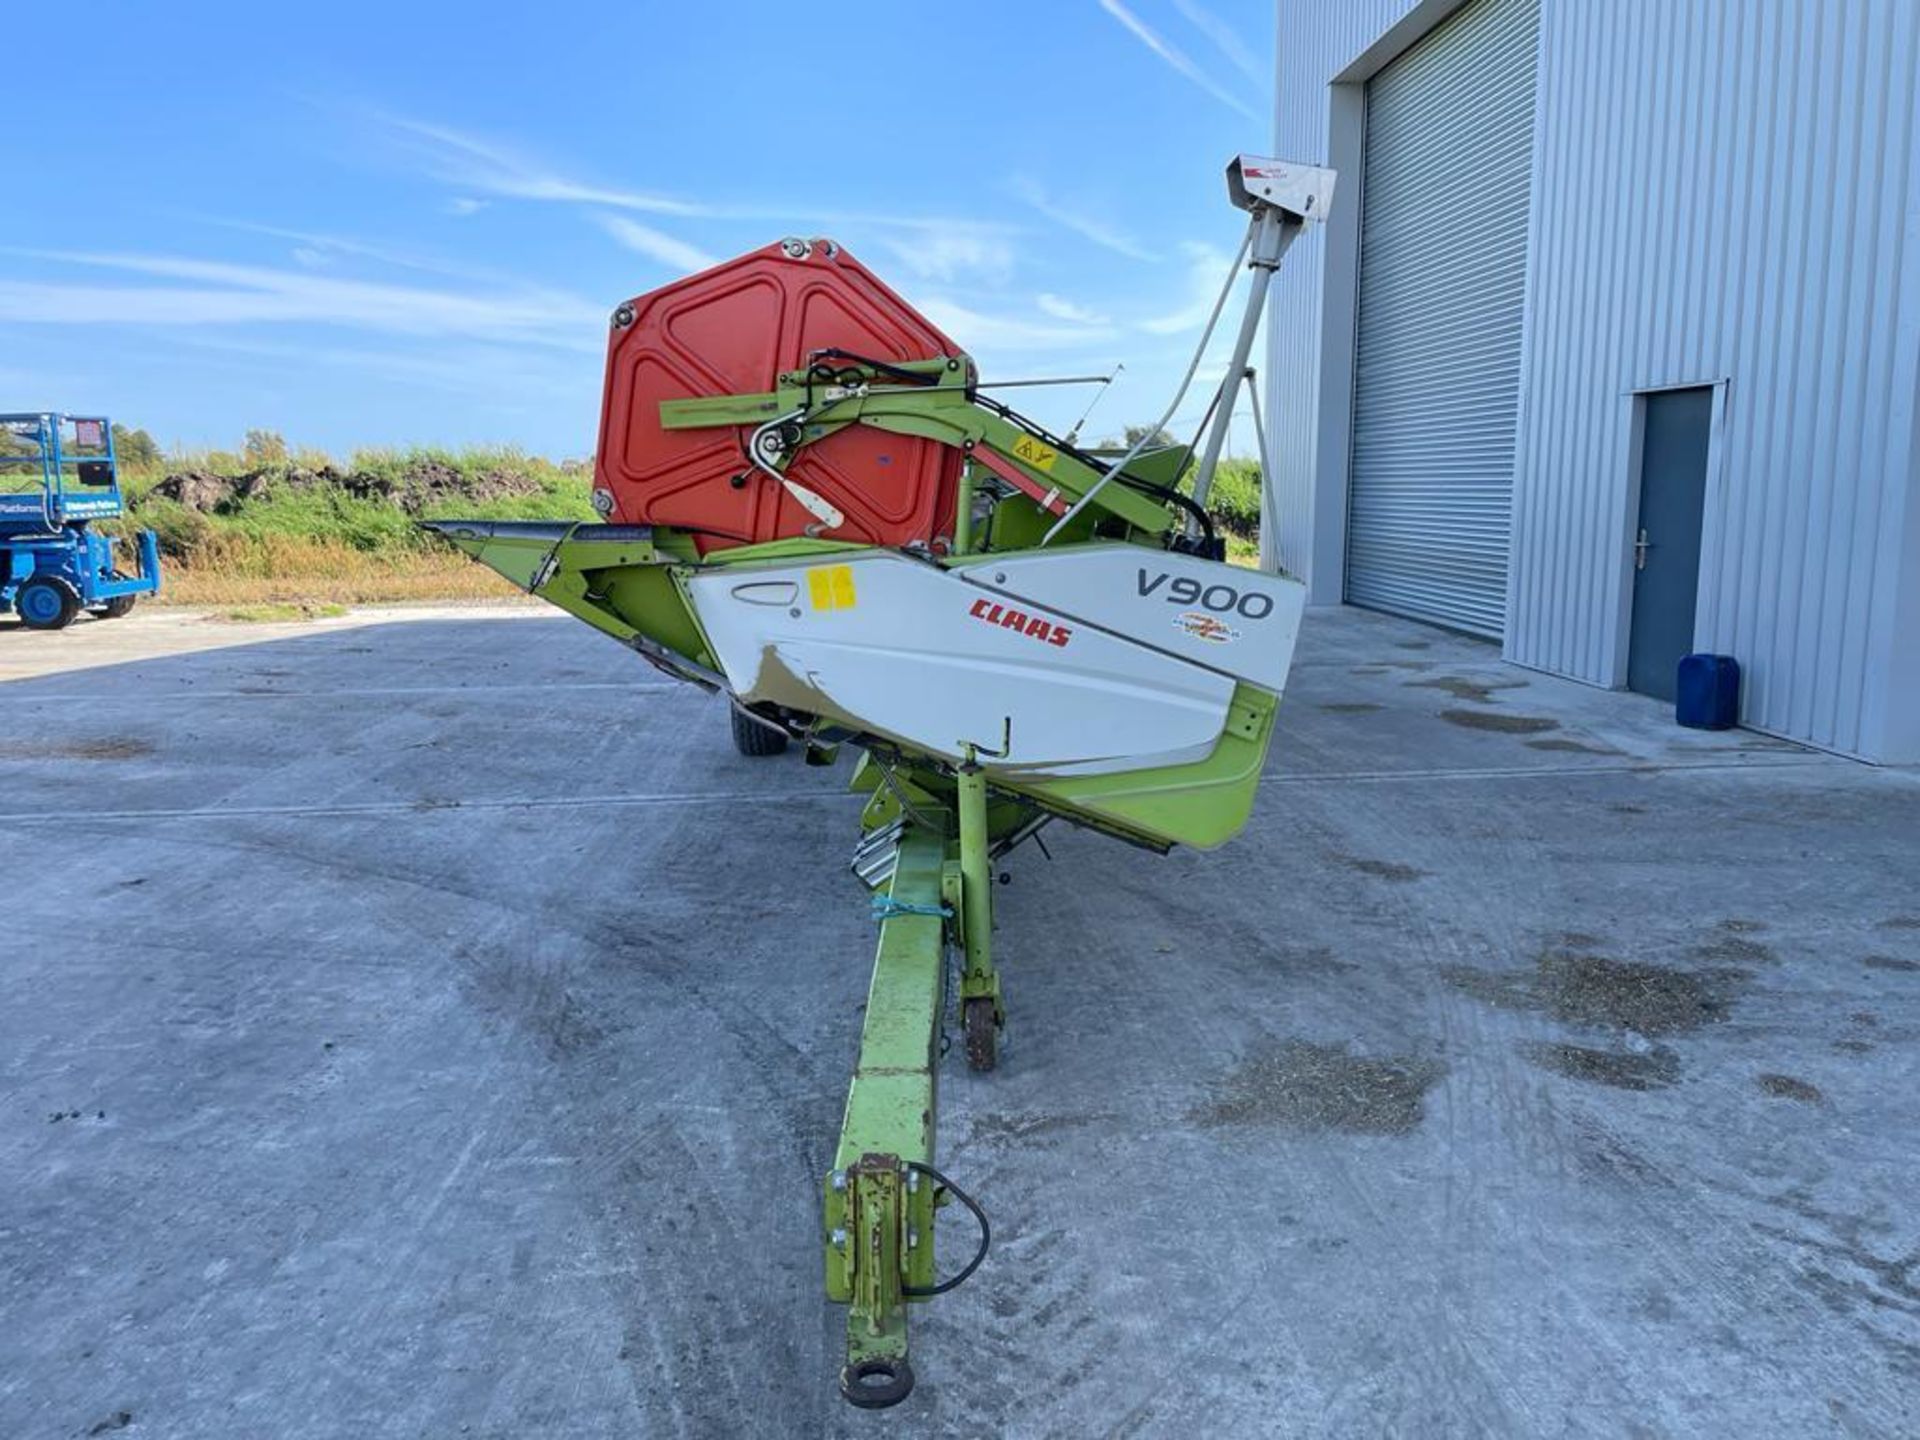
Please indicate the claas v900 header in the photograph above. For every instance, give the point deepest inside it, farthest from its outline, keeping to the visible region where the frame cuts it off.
(811, 503)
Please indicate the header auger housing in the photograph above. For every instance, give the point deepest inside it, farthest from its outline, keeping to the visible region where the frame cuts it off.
(811, 506)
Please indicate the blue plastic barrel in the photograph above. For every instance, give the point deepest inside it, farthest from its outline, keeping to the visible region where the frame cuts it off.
(1708, 695)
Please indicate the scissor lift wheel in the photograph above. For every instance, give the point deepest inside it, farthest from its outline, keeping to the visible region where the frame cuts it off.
(120, 606)
(46, 605)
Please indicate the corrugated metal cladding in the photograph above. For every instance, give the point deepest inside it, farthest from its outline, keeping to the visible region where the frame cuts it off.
(1725, 192)
(1443, 266)
(1316, 38)
(1724, 187)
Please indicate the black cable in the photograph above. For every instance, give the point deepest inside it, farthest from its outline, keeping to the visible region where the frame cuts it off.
(1184, 501)
(1034, 428)
(1144, 486)
(986, 1234)
(816, 372)
(1207, 419)
(880, 367)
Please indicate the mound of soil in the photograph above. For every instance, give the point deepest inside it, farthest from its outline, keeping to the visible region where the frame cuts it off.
(206, 492)
(420, 484)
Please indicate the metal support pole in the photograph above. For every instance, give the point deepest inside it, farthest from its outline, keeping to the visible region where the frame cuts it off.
(1271, 236)
(1269, 509)
(976, 887)
(963, 517)
(970, 892)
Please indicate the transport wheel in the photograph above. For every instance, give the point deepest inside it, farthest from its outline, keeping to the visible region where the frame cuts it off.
(983, 1035)
(751, 737)
(46, 605)
(118, 607)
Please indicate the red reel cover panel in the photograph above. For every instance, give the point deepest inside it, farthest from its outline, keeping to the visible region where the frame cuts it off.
(732, 330)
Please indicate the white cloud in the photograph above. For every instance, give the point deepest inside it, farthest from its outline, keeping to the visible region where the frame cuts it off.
(935, 247)
(1226, 40)
(1206, 273)
(465, 205)
(458, 366)
(655, 244)
(494, 169)
(947, 253)
(226, 294)
(1063, 309)
(1081, 220)
(975, 331)
(329, 248)
(1176, 58)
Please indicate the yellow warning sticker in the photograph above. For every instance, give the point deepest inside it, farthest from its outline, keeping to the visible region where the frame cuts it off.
(1039, 456)
(831, 587)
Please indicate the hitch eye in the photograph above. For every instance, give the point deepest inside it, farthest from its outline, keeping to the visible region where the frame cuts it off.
(877, 1381)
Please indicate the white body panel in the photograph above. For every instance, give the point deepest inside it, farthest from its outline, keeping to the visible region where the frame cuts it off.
(1226, 618)
(900, 648)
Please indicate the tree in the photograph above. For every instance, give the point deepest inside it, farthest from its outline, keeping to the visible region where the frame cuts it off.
(265, 447)
(1154, 438)
(135, 449)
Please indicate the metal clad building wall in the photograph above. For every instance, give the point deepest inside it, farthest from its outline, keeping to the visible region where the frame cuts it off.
(1730, 191)
(1443, 261)
(1725, 191)
(1317, 38)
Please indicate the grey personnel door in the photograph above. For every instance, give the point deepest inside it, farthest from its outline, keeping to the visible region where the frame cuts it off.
(1675, 428)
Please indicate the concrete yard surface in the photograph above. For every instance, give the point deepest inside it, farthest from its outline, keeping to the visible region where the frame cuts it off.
(423, 1024)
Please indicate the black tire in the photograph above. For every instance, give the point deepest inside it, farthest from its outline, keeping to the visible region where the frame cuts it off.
(44, 604)
(877, 1382)
(118, 607)
(983, 1034)
(754, 737)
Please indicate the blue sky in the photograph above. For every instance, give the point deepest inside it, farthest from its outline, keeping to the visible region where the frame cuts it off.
(388, 224)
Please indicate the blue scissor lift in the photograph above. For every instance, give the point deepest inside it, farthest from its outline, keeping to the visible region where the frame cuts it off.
(57, 476)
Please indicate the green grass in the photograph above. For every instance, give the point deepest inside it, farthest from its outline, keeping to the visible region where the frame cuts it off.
(318, 530)
(353, 512)
(1235, 498)
(272, 613)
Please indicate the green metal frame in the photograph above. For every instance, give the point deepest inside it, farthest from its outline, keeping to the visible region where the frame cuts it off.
(877, 1213)
(970, 888)
(879, 1200)
(942, 411)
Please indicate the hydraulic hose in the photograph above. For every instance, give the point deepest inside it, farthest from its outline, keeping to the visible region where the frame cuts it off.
(986, 1234)
(1193, 368)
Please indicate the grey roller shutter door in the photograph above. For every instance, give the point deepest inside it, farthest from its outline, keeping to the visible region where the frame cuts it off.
(1443, 258)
